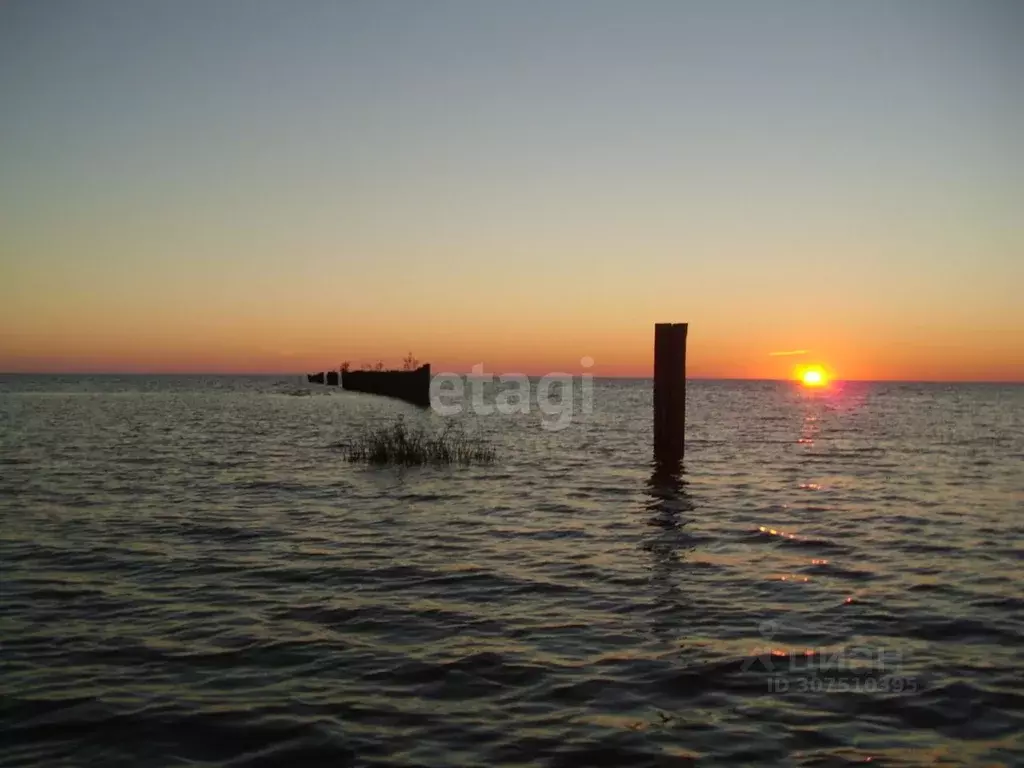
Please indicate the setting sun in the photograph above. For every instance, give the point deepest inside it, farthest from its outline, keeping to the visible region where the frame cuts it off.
(813, 376)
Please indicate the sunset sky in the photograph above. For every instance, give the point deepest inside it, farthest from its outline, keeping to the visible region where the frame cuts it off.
(268, 186)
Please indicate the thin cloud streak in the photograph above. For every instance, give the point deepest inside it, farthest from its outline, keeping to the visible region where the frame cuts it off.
(791, 352)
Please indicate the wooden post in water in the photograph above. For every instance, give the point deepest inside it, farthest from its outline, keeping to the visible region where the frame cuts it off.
(669, 391)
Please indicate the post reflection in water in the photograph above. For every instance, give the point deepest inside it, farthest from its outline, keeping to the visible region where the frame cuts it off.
(666, 491)
(667, 506)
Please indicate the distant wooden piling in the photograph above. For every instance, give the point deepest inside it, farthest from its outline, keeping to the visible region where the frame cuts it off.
(669, 391)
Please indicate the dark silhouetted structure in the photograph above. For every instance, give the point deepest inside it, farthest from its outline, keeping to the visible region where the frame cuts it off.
(332, 378)
(315, 378)
(669, 392)
(411, 386)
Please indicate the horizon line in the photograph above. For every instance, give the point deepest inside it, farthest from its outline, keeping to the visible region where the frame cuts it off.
(649, 377)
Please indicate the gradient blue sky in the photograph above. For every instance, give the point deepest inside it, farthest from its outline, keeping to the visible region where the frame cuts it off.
(276, 186)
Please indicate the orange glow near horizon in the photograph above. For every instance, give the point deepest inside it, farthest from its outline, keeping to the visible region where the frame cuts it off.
(290, 335)
(293, 346)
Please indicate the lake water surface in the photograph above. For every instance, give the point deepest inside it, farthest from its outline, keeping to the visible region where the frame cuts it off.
(192, 575)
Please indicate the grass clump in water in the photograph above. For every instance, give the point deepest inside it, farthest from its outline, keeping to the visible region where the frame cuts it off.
(398, 443)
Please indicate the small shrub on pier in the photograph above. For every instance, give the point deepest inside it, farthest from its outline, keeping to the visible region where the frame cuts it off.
(398, 443)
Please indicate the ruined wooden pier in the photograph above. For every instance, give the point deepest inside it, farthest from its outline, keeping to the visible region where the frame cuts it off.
(411, 386)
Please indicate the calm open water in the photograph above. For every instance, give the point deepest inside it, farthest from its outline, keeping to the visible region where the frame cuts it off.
(191, 575)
